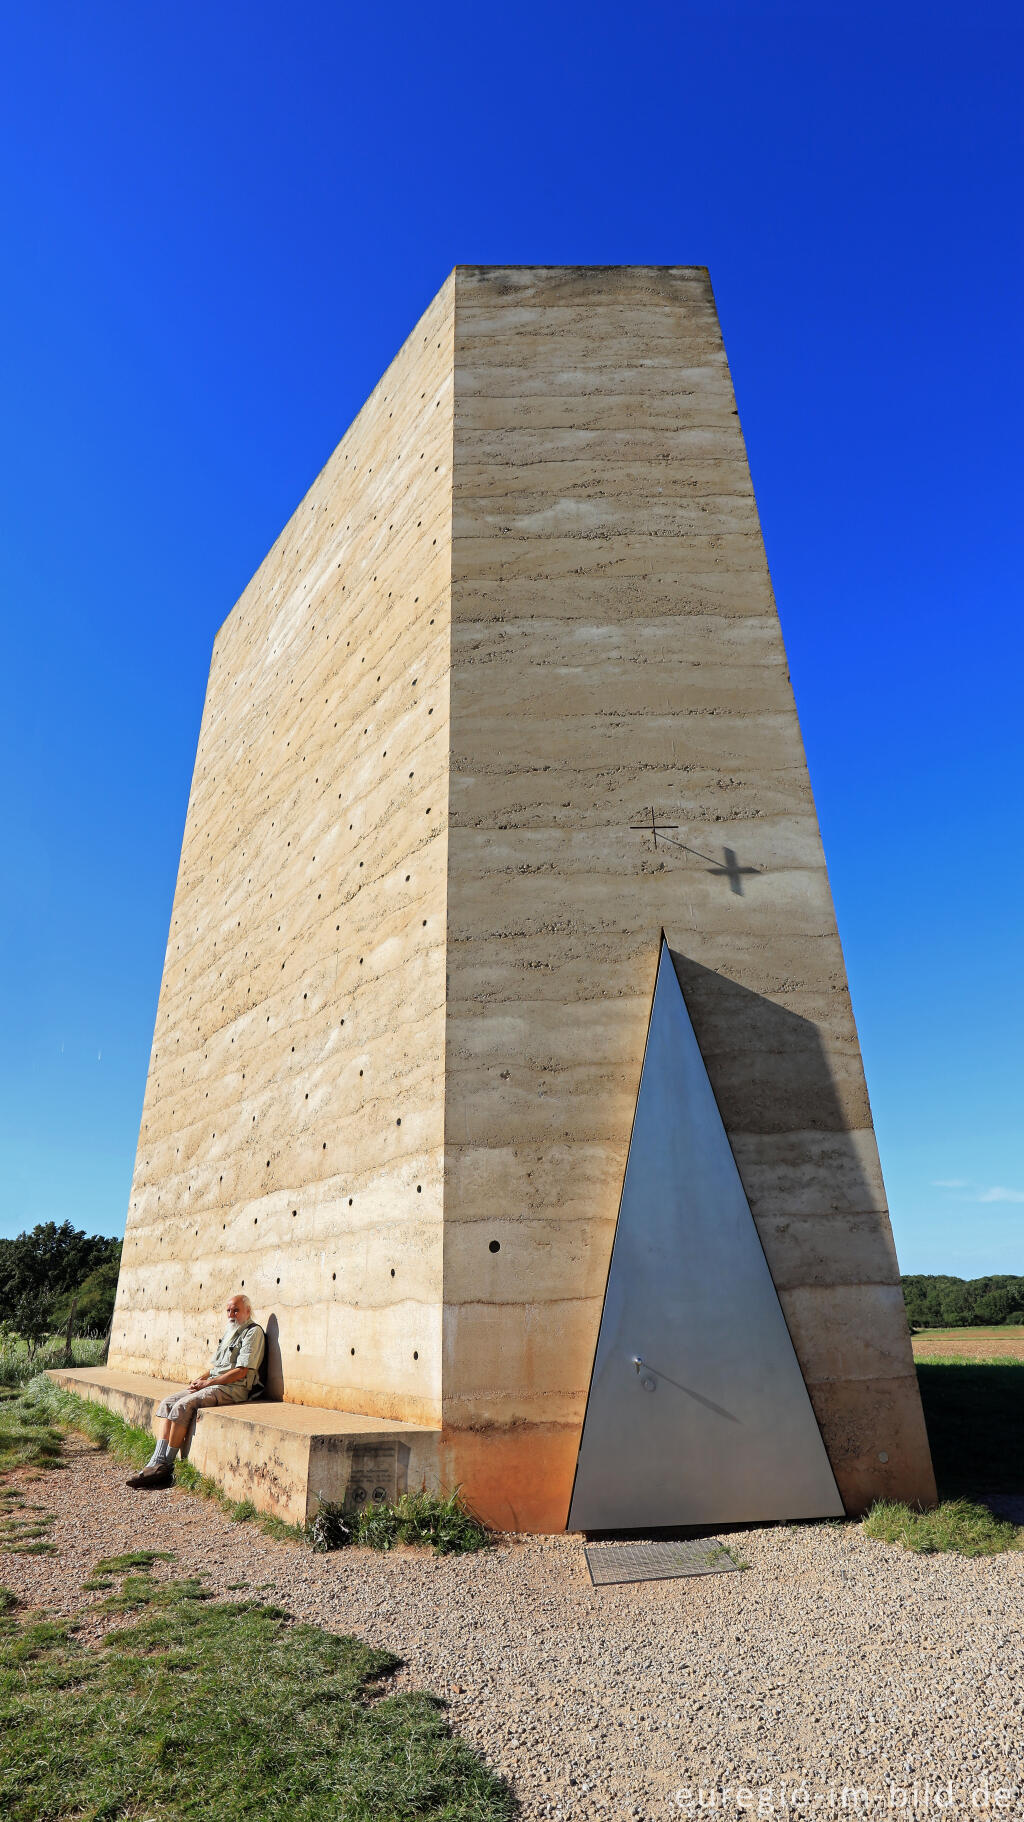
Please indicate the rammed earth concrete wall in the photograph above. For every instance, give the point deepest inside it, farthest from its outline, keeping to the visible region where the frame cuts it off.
(526, 604)
(293, 1126)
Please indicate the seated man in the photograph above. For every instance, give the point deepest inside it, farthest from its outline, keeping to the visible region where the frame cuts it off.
(230, 1379)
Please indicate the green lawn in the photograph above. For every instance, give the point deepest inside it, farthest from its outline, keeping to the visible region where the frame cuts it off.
(195, 1708)
(201, 1708)
(18, 1365)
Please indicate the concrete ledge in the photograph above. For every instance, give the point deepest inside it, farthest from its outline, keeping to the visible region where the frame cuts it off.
(281, 1456)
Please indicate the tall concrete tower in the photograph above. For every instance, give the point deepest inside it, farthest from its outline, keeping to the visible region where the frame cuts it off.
(506, 702)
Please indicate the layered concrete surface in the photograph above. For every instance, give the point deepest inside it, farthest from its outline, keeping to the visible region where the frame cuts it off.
(524, 609)
(292, 1129)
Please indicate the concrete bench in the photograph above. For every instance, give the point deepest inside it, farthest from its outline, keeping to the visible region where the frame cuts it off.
(281, 1456)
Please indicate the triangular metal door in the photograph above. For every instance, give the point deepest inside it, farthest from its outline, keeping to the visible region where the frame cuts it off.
(698, 1413)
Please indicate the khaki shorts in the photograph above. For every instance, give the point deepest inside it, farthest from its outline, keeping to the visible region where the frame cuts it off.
(181, 1407)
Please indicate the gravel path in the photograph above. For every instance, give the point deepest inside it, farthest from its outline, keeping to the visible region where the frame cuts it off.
(832, 1660)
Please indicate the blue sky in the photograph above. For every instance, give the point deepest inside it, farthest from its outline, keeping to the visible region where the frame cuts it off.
(219, 222)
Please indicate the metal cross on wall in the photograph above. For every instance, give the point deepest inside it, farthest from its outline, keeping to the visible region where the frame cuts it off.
(730, 870)
(655, 828)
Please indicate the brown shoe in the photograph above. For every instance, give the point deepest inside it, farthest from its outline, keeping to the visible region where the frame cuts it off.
(158, 1474)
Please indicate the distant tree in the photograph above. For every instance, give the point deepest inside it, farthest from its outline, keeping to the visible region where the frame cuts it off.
(31, 1320)
(957, 1306)
(50, 1260)
(93, 1300)
(40, 1273)
(936, 1300)
(926, 1295)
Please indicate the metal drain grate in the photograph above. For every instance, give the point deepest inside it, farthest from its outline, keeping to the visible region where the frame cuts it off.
(656, 1562)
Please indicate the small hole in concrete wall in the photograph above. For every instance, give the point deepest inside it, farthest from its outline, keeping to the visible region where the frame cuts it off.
(398, 1122)
(415, 1353)
(294, 1213)
(352, 1350)
(325, 1144)
(419, 1189)
(494, 1246)
(350, 1201)
(298, 1349)
(255, 1219)
(392, 1271)
(278, 1280)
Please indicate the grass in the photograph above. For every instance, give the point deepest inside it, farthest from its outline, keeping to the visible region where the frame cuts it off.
(28, 1536)
(957, 1524)
(132, 1559)
(441, 1521)
(17, 1366)
(27, 1439)
(974, 1412)
(200, 1707)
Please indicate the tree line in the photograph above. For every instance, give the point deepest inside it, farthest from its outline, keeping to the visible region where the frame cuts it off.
(935, 1301)
(57, 1278)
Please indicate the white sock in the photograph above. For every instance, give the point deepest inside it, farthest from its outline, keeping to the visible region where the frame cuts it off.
(169, 1454)
(158, 1454)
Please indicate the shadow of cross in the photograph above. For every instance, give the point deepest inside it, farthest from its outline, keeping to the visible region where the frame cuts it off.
(733, 872)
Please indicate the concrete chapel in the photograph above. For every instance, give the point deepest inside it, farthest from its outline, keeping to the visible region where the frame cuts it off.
(499, 736)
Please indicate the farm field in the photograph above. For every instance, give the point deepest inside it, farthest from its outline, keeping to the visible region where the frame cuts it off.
(969, 1344)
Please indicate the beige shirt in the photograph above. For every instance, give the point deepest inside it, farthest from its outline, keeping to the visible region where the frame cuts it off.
(240, 1346)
